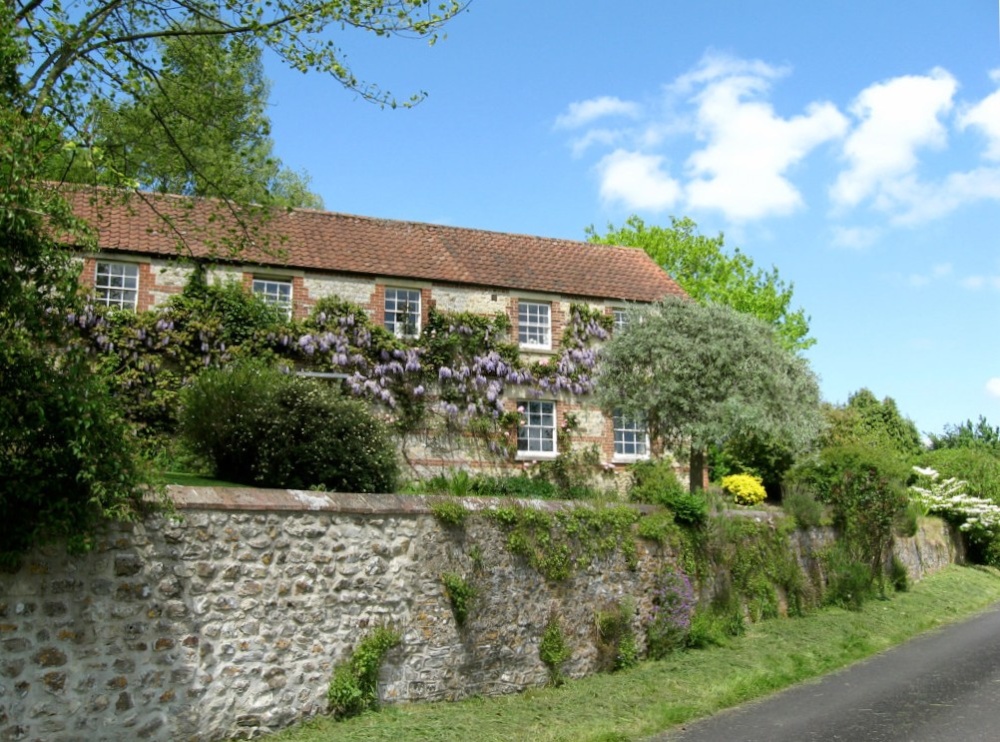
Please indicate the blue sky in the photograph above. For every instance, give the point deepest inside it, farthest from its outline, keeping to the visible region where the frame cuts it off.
(854, 145)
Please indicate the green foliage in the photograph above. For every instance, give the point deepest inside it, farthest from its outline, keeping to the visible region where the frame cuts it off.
(617, 647)
(461, 593)
(760, 561)
(968, 435)
(555, 544)
(259, 426)
(354, 687)
(848, 581)
(865, 488)
(656, 483)
(669, 623)
(202, 128)
(449, 512)
(977, 466)
(865, 421)
(711, 275)
(553, 650)
(899, 578)
(745, 489)
(520, 486)
(572, 472)
(658, 526)
(702, 374)
(67, 458)
(152, 355)
(801, 504)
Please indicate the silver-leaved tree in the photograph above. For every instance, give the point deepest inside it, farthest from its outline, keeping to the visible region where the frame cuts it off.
(703, 374)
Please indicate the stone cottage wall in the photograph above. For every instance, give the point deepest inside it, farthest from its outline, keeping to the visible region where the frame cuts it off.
(228, 619)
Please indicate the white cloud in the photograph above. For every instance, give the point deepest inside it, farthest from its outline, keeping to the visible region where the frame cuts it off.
(977, 283)
(916, 202)
(993, 387)
(584, 112)
(741, 170)
(638, 181)
(985, 116)
(937, 272)
(898, 117)
(855, 238)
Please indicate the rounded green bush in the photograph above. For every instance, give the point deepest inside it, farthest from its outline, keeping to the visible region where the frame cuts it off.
(259, 426)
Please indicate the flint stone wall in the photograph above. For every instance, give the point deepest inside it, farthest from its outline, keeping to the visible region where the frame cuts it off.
(228, 620)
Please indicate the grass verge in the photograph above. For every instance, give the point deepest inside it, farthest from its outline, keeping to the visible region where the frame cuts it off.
(657, 695)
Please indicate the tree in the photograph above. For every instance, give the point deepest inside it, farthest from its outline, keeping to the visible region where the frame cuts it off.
(866, 421)
(702, 374)
(201, 131)
(66, 460)
(968, 435)
(709, 274)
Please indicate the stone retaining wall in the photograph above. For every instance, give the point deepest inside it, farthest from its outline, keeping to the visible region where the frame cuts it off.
(228, 620)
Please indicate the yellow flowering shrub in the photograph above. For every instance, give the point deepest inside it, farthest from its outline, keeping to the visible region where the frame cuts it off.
(746, 489)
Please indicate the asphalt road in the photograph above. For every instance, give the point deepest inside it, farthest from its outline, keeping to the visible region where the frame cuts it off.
(942, 686)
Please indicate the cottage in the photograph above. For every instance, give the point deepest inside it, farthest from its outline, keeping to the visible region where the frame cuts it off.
(398, 272)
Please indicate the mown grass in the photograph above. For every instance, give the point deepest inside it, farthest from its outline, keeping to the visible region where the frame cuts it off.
(657, 695)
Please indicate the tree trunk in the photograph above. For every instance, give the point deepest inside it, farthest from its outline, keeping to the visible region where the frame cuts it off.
(696, 475)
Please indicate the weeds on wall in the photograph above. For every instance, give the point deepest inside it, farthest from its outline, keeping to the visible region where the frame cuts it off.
(669, 622)
(617, 646)
(461, 595)
(449, 512)
(556, 544)
(553, 650)
(354, 687)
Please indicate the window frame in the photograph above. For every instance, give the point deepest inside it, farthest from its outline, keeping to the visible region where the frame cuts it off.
(634, 434)
(271, 298)
(527, 326)
(103, 290)
(620, 318)
(540, 439)
(413, 309)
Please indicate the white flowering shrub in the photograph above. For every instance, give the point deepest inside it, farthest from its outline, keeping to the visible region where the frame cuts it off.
(979, 518)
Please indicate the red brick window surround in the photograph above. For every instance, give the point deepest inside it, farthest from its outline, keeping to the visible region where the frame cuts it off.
(119, 283)
(275, 291)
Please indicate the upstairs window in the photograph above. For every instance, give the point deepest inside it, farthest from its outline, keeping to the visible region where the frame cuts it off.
(402, 312)
(631, 437)
(620, 318)
(275, 292)
(534, 325)
(536, 435)
(117, 284)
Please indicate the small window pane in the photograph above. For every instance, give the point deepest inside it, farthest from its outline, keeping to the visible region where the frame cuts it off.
(117, 284)
(537, 432)
(621, 318)
(278, 293)
(631, 438)
(533, 324)
(402, 312)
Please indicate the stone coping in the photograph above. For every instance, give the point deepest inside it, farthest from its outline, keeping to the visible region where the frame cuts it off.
(252, 499)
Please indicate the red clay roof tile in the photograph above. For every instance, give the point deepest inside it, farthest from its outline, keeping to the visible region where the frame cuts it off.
(329, 242)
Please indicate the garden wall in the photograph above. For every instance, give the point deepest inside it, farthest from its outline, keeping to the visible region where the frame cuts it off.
(227, 621)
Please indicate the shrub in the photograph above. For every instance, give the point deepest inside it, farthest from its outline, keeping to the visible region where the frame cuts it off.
(978, 467)
(461, 593)
(866, 489)
(745, 489)
(656, 483)
(67, 458)
(848, 582)
(669, 623)
(553, 650)
(520, 486)
(617, 648)
(449, 512)
(354, 687)
(256, 425)
(800, 502)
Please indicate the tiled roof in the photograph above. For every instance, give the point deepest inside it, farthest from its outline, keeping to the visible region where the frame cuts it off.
(340, 243)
